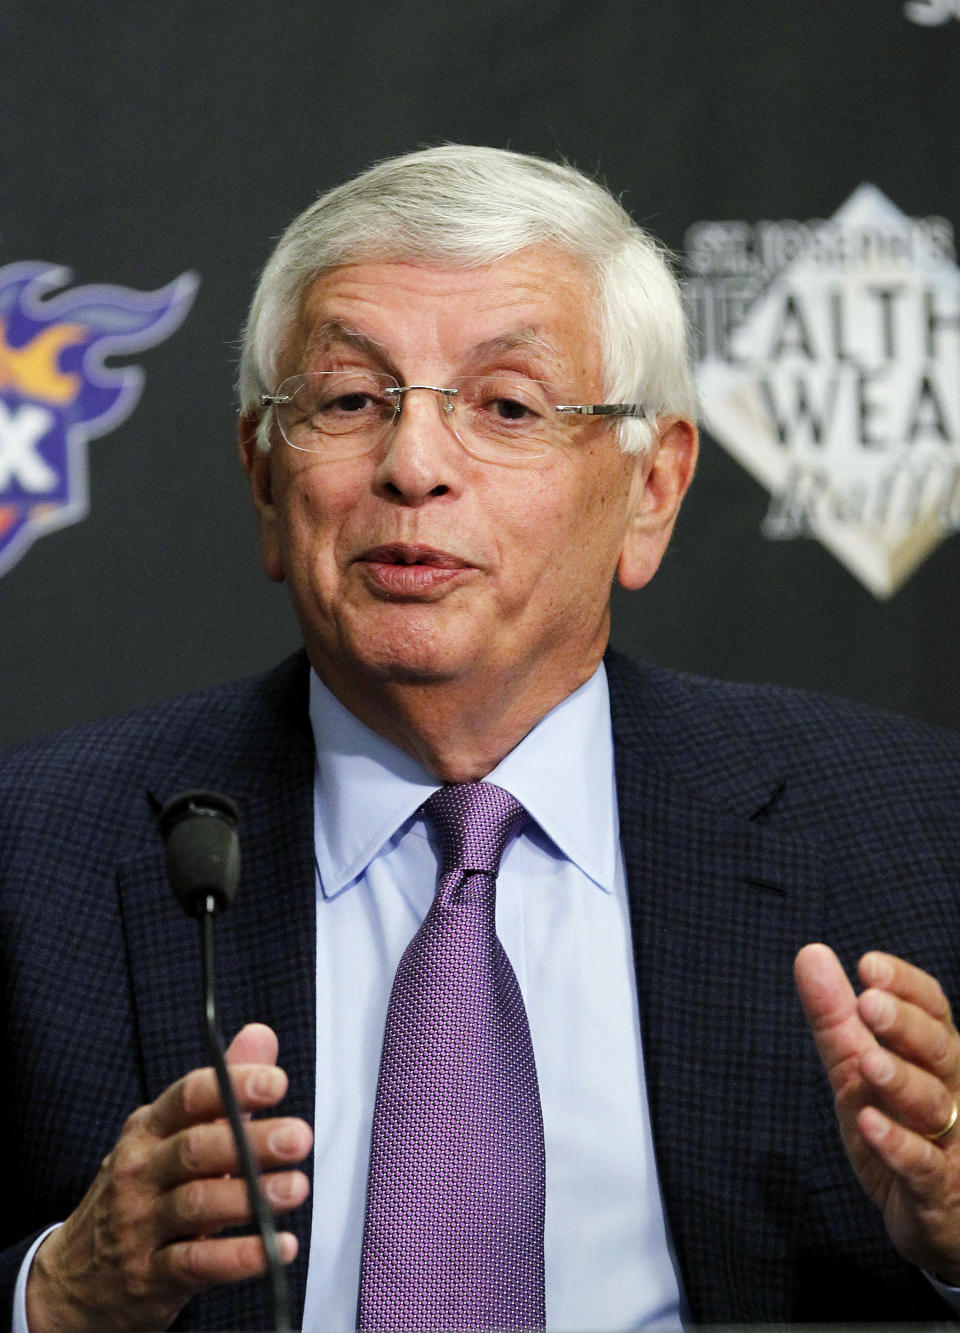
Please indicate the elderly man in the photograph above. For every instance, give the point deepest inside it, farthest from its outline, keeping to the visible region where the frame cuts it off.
(590, 1101)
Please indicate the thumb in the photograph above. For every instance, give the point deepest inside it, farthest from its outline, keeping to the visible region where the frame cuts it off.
(830, 1005)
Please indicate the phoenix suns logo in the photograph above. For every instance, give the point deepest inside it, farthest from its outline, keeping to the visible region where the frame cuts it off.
(57, 392)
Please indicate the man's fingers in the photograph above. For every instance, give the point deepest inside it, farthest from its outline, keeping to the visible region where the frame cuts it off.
(920, 1165)
(144, 1237)
(196, 1264)
(917, 1068)
(258, 1084)
(912, 1033)
(887, 972)
(205, 1207)
(893, 1058)
(915, 1098)
(205, 1150)
(255, 1044)
(196, 1097)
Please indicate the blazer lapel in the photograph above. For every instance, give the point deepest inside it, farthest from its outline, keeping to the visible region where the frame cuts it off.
(266, 942)
(720, 902)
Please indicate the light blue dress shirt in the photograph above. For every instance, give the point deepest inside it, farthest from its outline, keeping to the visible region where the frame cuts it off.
(562, 918)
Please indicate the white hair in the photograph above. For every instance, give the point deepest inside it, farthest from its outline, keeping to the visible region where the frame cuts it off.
(460, 206)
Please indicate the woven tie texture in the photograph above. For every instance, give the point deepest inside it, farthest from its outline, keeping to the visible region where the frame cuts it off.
(453, 1237)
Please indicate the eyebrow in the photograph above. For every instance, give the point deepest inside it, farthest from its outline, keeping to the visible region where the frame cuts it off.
(334, 331)
(528, 339)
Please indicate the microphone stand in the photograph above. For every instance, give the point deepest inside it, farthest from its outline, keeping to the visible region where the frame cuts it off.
(199, 829)
(258, 1204)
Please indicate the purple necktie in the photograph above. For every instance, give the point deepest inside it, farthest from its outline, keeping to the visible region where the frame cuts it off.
(453, 1237)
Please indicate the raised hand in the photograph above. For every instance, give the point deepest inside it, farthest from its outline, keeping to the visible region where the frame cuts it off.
(893, 1058)
(144, 1239)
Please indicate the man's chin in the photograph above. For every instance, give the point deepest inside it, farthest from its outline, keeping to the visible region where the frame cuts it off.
(420, 668)
(410, 662)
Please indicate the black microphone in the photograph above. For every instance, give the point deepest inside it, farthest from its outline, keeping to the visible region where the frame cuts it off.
(199, 829)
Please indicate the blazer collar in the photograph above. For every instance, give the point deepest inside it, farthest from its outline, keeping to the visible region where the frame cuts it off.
(673, 722)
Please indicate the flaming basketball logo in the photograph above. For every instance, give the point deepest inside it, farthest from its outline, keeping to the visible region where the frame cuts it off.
(56, 392)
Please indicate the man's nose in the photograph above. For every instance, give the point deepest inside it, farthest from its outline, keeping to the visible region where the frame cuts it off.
(421, 456)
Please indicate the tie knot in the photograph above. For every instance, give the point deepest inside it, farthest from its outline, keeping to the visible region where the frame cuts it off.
(474, 822)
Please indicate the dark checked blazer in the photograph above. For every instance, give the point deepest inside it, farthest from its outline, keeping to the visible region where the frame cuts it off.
(752, 821)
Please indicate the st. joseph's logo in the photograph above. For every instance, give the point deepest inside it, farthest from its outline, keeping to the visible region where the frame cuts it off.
(828, 367)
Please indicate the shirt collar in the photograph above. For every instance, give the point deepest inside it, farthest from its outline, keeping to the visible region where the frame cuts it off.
(367, 790)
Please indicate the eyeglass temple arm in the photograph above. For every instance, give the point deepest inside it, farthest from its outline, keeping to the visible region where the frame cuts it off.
(603, 409)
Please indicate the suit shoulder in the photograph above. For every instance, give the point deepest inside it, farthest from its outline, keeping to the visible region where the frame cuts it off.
(829, 739)
(123, 748)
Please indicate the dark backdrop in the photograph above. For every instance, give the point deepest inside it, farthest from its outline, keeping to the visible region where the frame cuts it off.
(145, 140)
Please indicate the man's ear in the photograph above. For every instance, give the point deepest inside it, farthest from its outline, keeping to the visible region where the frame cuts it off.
(257, 463)
(661, 481)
